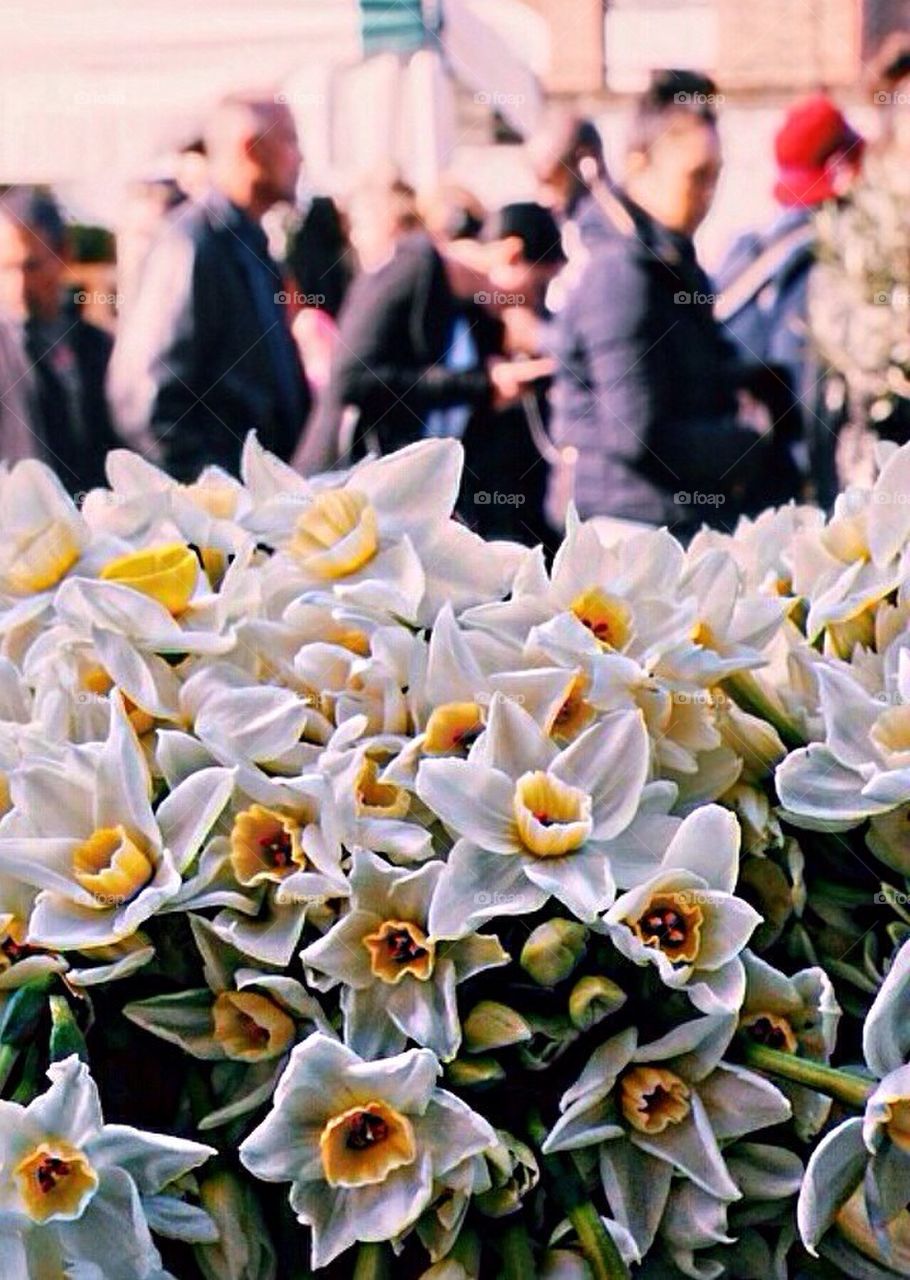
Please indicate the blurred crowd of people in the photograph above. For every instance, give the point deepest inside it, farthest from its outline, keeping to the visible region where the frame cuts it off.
(573, 343)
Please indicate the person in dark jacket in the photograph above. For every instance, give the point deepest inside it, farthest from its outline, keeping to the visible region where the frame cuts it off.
(645, 387)
(507, 449)
(407, 363)
(67, 418)
(763, 283)
(204, 353)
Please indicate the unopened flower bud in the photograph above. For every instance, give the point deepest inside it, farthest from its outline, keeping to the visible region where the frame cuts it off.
(243, 1250)
(594, 998)
(491, 1025)
(553, 950)
(514, 1172)
(474, 1073)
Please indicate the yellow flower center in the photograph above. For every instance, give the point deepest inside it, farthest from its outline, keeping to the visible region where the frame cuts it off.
(770, 1029)
(575, 713)
(841, 638)
(891, 734)
(55, 1180)
(552, 818)
(399, 947)
(251, 1027)
(12, 941)
(6, 801)
(702, 634)
(608, 618)
(452, 726)
(336, 535)
(375, 799)
(847, 539)
(219, 500)
(898, 1122)
(95, 680)
(350, 638)
(213, 561)
(265, 845)
(671, 923)
(112, 866)
(363, 1145)
(42, 558)
(167, 574)
(652, 1098)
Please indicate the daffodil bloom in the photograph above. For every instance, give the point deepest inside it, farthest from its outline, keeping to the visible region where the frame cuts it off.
(685, 918)
(731, 626)
(42, 535)
(363, 1143)
(846, 567)
(623, 598)
(275, 854)
(663, 1109)
(384, 537)
(534, 821)
(696, 1221)
(246, 1017)
(862, 769)
(72, 1188)
(82, 831)
(798, 1015)
(464, 668)
(398, 981)
(375, 811)
(871, 1151)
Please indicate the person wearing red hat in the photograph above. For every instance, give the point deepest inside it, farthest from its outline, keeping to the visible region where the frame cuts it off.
(764, 281)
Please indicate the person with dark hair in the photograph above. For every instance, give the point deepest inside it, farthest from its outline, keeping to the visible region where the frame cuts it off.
(67, 415)
(407, 365)
(320, 256)
(507, 448)
(205, 353)
(763, 283)
(644, 389)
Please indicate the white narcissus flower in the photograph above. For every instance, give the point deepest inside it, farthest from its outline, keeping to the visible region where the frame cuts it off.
(798, 1015)
(626, 595)
(362, 1143)
(383, 538)
(854, 561)
(82, 830)
(862, 769)
(246, 1017)
(536, 822)
(463, 669)
(732, 626)
(72, 1188)
(659, 1109)
(42, 535)
(275, 854)
(871, 1151)
(398, 982)
(686, 920)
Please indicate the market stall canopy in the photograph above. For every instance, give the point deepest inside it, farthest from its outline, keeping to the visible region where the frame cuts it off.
(95, 91)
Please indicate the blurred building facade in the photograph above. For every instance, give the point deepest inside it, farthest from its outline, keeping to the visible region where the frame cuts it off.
(774, 46)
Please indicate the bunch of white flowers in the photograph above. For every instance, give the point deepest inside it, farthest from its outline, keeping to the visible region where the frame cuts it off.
(524, 918)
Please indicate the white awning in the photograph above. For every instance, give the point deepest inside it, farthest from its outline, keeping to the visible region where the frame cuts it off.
(91, 93)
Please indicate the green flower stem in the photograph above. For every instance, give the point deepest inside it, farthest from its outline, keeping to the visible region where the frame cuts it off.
(597, 1244)
(517, 1255)
(749, 695)
(569, 1192)
(851, 1090)
(8, 1055)
(372, 1263)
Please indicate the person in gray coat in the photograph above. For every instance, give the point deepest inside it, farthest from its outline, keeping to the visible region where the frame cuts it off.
(646, 387)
